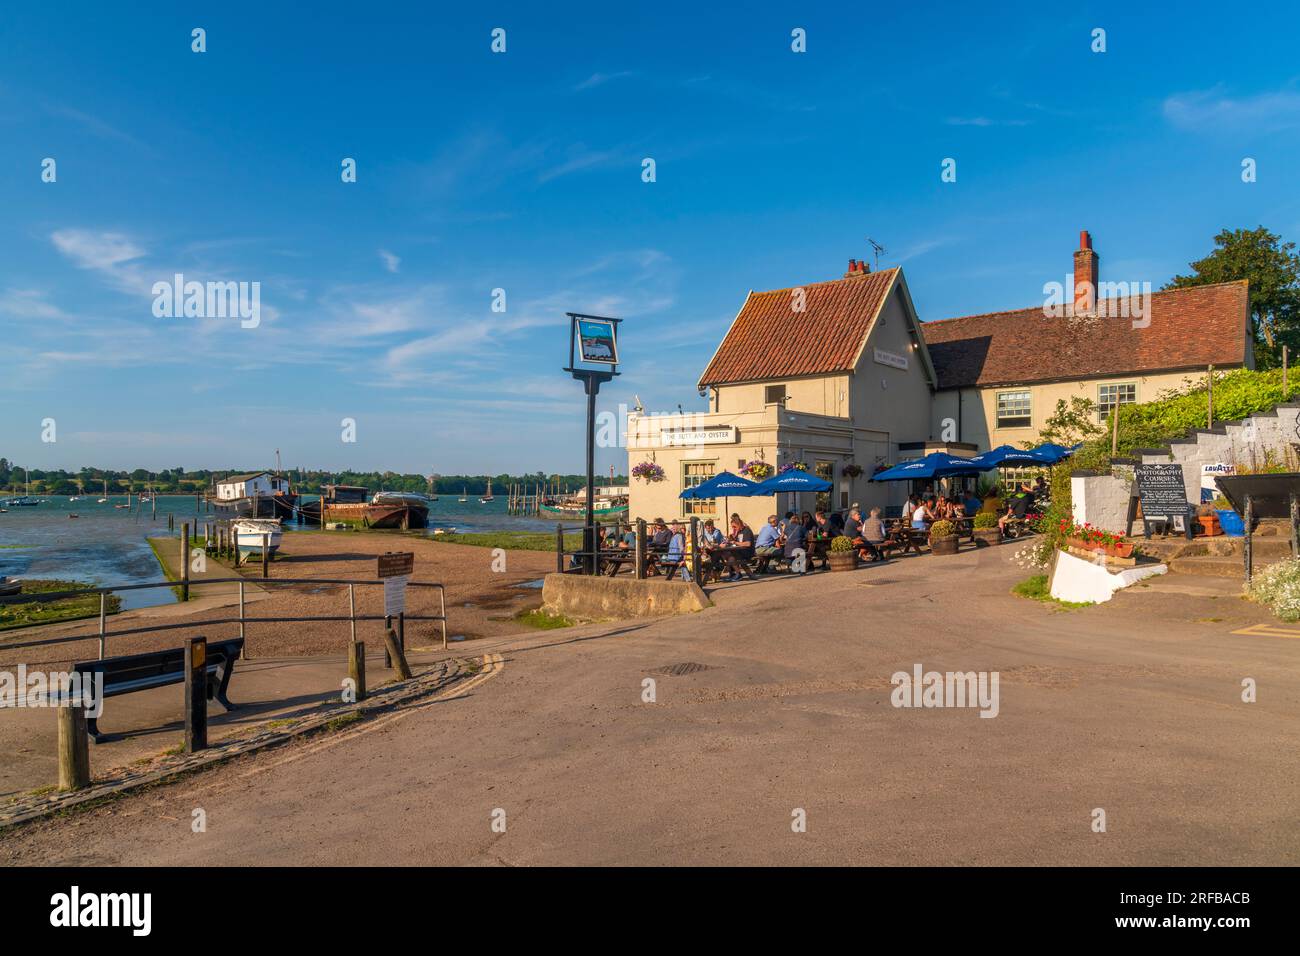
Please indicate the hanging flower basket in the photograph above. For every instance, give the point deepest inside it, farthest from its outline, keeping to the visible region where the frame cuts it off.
(648, 472)
(757, 470)
(851, 471)
(793, 466)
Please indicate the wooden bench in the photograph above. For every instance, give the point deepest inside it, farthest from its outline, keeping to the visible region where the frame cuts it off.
(133, 672)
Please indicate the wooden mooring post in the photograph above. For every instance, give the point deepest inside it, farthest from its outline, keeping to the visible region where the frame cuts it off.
(357, 668)
(640, 549)
(185, 562)
(74, 746)
(196, 694)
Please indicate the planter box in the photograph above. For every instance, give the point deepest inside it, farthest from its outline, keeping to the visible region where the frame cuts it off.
(842, 560)
(1210, 526)
(987, 537)
(946, 545)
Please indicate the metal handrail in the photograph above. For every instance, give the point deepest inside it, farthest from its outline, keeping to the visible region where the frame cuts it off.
(103, 634)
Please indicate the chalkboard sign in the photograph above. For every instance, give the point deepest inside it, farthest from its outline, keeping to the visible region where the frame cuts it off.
(1162, 490)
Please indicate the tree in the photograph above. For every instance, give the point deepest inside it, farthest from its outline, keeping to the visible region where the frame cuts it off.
(1072, 422)
(1273, 269)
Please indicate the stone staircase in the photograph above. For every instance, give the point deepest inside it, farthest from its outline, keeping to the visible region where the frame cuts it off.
(1275, 432)
(1222, 556)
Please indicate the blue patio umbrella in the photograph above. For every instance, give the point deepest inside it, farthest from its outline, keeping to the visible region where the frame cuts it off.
(793, 480)
(1054, 452)
(1005, 455)
(937, 464)
(723, 485)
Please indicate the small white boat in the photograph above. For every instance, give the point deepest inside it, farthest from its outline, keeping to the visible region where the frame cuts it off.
(250, 532)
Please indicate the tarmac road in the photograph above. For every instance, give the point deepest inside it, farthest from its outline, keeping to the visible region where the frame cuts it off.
(1133, 708)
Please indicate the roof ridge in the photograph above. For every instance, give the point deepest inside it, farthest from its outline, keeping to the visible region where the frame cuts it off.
(809, 285)
(1035, 308)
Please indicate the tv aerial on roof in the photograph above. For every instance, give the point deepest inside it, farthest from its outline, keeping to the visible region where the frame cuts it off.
(878, 248)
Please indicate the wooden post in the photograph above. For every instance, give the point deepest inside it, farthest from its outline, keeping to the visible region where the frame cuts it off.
(266, 555)
(103, 624)
(388, 658)
(357, 667)
(1249, 518)
(695, 548)
(1284, 373)
(395, 652)
(243, 654)
(1295, 526)
(1114, 429)
(559, 547)
(401, 630)
(74, 746)
(640, 549)
(352, 609)
(1209, 395)
(196, 694)
(185, 562)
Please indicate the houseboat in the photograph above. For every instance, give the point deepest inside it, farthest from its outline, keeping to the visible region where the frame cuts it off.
(261, 494)
(398, 509)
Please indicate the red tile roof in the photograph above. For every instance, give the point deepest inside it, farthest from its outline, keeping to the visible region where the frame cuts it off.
(770, 340)
(1189, 328)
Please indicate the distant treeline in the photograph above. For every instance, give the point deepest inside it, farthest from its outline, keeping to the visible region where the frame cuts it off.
(179, 481)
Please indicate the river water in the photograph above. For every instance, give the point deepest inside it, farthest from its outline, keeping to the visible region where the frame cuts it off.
(106, 545)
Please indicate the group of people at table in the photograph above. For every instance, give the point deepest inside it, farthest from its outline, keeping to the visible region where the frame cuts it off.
(739, 552)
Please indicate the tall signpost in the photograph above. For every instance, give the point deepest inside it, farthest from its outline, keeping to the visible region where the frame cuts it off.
(593, 341)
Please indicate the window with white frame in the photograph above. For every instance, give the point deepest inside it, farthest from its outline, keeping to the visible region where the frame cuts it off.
(696, 473)
(1108, 396)
(1013, 409)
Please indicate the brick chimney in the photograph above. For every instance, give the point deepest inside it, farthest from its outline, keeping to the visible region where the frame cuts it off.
(857, 268)
(1085, 276)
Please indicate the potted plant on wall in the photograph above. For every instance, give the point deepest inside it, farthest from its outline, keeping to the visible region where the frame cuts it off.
(842, 555)
(943, 538)
(987, 531)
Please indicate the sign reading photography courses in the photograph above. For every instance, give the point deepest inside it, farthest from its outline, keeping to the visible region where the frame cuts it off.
(1162, 490)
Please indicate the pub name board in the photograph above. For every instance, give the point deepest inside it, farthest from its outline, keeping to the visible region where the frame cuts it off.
(721, 435)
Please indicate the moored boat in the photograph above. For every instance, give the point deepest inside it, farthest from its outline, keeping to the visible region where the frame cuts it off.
(250, 533)
(608, 503)
(397, 509)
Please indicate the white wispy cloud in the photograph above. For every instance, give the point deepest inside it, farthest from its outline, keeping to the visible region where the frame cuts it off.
(600, 79)
(29, 304)
(113, 255)
(1214, 109)
(391, 262)
(983, 121)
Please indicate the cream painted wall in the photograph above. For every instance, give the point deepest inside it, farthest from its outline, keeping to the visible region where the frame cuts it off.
(817, 395)
(979, 406)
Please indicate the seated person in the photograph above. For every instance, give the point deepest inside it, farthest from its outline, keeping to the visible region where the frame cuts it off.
(676, 554)
(1017, 507)
(873, 537)
(766, 543)
(629, 538)
(972, 503)
(660, 536)
(836, 521)
(796, 539)
(920, 515)
(710, 536)
(853, 527)
(741, 539)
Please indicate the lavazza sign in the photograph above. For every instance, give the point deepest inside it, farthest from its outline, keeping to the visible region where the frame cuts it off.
(721, 435)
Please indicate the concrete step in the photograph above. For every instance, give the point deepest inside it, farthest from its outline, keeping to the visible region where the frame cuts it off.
(1219, 566)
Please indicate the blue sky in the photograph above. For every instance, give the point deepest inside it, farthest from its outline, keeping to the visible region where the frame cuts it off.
(522, 171)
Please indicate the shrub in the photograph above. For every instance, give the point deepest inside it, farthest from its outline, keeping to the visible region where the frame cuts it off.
(1277, 587)
(943, 529)
(842, 544)
(986, 519)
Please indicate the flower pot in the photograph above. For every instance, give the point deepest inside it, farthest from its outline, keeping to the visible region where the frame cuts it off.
(842, 560)
(944, 545)
(1123, 549)
(987, 537)
(1210, 525)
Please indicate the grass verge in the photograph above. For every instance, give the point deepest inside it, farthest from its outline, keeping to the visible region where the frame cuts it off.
(1035, 589)
(542, 619)
(65, 609)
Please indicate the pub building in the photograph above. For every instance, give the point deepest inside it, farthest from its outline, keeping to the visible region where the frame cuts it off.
(844, 378)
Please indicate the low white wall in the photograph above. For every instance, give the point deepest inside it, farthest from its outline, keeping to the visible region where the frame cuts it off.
(1101, 501)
